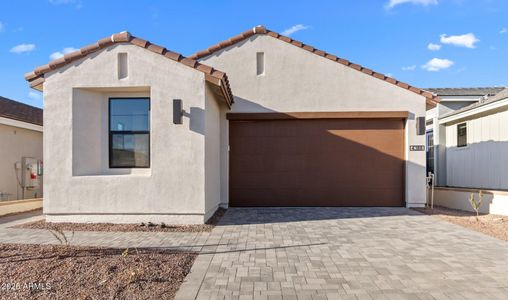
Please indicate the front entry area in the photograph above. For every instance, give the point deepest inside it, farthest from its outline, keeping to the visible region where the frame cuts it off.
(316, 162)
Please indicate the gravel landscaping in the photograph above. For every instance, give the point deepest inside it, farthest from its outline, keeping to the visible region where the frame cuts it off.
(493, 225)
(68, 272)
(145, 227)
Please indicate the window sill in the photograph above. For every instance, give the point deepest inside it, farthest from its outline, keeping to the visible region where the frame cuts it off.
(119, 172)
(461, 148)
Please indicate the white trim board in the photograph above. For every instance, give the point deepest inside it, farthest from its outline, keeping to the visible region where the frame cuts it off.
(20, 124)
(475, 111)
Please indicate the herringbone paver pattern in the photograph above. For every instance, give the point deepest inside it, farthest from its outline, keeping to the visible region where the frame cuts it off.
(345, 253)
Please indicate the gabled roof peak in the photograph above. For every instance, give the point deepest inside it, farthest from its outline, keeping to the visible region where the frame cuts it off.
(216, 77)
(432, 99)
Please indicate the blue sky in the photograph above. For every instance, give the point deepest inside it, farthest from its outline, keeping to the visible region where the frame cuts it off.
(469, 37)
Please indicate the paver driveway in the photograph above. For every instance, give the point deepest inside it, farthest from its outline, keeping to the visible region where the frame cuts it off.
(350, 253)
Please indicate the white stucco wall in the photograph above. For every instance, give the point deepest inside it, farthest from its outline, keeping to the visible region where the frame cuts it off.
(78, 183)
(483, 163)
(215, 109)
(494, 202)
(15, 143)
(296, 80)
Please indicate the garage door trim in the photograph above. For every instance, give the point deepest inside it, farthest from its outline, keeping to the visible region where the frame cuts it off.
(318, 115)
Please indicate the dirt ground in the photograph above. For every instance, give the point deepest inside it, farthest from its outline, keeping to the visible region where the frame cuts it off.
(210, 224)
(493, 225)
(65, 272)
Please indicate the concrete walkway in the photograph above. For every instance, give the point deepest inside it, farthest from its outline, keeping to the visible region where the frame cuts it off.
(320, 253)
(346, 253)
(183, 241)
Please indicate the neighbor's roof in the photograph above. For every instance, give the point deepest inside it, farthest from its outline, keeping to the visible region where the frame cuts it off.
(503, 94)
(216, 77)
(472, 91)
(20, 112)
(431, 98)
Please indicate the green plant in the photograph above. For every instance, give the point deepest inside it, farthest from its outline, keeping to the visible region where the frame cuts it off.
(61, 236)
(476, 205)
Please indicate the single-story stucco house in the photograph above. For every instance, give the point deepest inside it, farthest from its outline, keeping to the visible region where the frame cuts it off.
(474, 143)
(20, 145)
(135, 132)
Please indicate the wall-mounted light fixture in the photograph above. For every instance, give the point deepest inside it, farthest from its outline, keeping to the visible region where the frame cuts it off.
(420, 125)
(177, 111)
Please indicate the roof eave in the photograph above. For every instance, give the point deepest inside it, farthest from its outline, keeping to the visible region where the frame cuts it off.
(474, 111)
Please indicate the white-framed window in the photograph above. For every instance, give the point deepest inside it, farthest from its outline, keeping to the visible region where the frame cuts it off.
(462, 135)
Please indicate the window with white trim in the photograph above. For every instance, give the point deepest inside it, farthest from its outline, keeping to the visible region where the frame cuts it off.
(462, 135)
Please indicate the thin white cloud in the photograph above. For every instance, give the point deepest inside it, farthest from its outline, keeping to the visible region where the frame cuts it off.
(392, 3)
(294, 28)
(58, 54)
(467, 40)
(2, 27)
(78, 3)
(503, 30)
(409, 68)
(22, 48)
(34, 95)
(61, 2)
(437, 64)
(433, 47)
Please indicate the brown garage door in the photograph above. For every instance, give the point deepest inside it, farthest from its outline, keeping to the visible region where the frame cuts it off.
(317, 162)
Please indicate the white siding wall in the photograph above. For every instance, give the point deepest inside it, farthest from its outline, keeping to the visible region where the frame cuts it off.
(484, 162)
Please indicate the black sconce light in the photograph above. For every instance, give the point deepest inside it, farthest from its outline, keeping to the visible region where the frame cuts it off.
(420, 126)
(177, 111)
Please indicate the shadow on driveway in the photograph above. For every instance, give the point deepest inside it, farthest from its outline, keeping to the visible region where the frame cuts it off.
(268, 215)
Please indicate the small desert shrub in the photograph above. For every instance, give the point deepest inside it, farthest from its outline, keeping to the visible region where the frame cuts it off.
(476, 205)
(61, 236)
(133, 274)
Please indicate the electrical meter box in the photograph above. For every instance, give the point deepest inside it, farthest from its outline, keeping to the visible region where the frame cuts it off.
(31, 169)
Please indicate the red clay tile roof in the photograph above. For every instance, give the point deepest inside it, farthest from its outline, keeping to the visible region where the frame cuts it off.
(216, 77)
(432, 99)
(20, 112)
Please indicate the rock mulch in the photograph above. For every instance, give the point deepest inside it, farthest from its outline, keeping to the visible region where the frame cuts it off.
(493, 225)
(144, 227)
(69, 272)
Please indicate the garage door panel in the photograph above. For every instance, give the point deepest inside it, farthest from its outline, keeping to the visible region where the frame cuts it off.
(323, 162)
(319, 197)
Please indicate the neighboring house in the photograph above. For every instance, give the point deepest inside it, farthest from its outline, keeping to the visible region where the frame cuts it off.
(20, 137)
(299, 127)
(451, 99)
(477, 144)
(472, 151)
